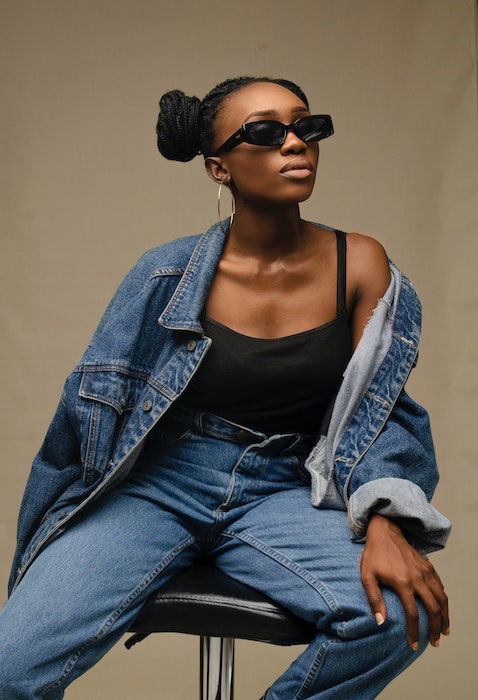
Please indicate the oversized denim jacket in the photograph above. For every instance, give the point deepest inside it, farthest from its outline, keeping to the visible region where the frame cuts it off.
(374, 450)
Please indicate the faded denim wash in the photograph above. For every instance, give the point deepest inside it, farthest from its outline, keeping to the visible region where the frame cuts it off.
(373, 449)
(203, 485)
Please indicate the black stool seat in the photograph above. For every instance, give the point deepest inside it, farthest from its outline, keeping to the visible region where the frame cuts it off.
(202, 600)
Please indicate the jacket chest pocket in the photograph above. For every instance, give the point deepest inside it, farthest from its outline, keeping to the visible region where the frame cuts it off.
(106, 399)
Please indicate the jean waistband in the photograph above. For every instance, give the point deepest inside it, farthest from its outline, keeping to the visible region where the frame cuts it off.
(205, 423)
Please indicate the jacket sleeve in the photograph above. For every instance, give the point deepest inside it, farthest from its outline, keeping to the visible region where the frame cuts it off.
(131, 284)
(404, 451)
(56, 466)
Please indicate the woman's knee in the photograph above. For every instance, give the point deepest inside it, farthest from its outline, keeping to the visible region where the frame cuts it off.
(391, 637)
(397, 623)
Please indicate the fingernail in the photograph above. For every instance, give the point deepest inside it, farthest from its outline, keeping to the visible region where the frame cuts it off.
(436, 643)
(380, 618)
(415, 645)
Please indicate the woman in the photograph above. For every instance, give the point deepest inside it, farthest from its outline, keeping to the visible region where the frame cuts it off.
(289, 453)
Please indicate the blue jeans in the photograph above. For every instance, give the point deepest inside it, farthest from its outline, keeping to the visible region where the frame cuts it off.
(204, 484)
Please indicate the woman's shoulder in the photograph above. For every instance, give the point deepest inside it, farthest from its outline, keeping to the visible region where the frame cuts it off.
(369, 273)
(367, 264)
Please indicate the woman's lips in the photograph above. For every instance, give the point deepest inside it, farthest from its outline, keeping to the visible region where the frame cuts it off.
(297, 174)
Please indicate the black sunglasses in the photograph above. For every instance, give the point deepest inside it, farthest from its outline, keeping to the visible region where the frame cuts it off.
(268, 132)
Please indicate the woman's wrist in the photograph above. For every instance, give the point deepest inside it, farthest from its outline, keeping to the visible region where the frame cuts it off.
(380, 524)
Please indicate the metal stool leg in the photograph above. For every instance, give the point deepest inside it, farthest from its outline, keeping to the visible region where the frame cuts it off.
(216, 656)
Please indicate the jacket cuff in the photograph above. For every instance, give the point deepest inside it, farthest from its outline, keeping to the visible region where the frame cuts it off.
(423, 526)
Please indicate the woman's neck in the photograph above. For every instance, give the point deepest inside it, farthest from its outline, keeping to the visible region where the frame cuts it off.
(266, 236)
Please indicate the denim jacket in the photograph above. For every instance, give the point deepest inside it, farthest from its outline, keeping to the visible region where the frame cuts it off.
(374, 450)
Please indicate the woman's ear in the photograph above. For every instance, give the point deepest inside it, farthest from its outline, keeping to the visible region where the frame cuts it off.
(217, 170)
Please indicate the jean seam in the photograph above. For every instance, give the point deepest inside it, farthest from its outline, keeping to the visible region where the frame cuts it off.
(291, 565)
(71, 662)
(314, 669)
(232, 482)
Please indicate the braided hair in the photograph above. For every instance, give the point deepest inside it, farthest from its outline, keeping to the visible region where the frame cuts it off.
(185, 126)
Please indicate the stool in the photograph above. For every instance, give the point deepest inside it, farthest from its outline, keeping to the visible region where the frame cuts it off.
(202, 600)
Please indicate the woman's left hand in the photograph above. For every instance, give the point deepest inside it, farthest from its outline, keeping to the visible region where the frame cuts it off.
(388, 559)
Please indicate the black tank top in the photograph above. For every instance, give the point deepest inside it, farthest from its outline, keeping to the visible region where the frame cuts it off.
(274, 384)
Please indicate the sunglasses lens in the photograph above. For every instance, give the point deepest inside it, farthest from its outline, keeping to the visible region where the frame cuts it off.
(265, 133)
(271, 133)
(313, 128)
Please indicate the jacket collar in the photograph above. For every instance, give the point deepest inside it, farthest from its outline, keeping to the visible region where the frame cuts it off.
(184, 307)
(398, 311)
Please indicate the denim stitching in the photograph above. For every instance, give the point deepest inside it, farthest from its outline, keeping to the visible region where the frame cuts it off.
(92, 435)
(233, 478)
(166, 271)
(116, 613)
(314, 669)
(187, 275)
(125, 368)
(293, 566)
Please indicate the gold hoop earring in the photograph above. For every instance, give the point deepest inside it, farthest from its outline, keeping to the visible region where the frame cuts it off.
(219, 211)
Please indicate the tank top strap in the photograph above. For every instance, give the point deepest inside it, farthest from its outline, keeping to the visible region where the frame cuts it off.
(341, 270)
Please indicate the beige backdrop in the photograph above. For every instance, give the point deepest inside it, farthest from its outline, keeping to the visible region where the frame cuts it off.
(85, 192)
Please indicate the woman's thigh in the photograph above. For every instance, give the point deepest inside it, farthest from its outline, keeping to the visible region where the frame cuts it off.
(302, 557)
(81, 593)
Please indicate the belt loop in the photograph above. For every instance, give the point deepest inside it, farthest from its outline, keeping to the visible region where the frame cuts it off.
(198, 422)
(294, 442)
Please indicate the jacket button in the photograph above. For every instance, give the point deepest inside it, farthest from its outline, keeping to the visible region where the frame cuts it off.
(147, 405)
(123, 401)
(191, 344)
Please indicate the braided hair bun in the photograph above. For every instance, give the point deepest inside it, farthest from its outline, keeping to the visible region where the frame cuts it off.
(177, 127)
(187, 126)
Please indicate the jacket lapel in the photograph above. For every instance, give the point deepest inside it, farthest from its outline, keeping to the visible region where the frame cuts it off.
(183, 309)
